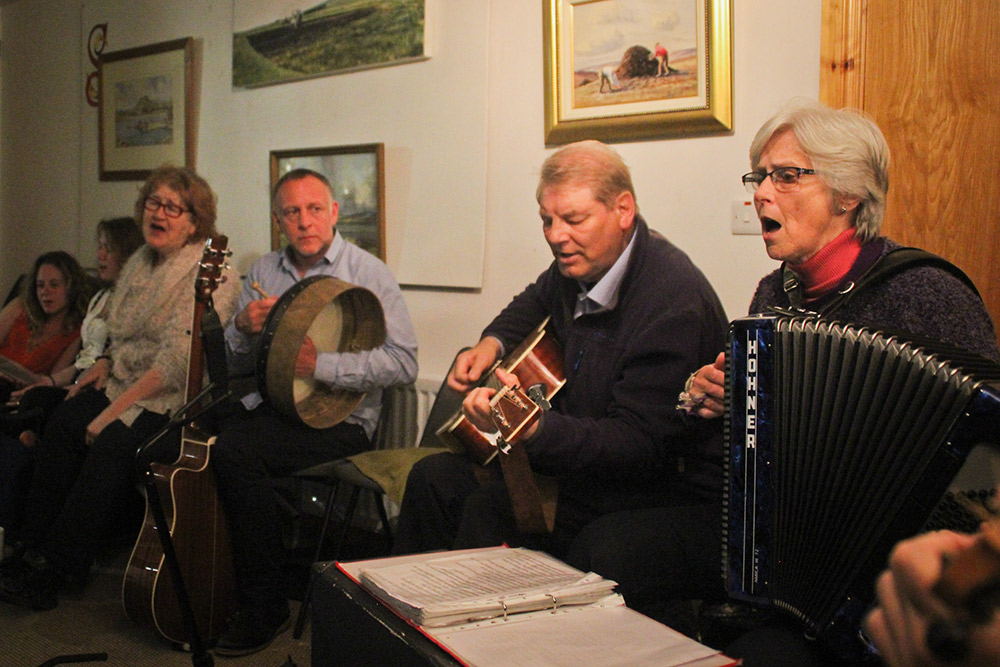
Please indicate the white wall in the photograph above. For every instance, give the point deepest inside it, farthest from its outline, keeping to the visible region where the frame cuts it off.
(50, 196)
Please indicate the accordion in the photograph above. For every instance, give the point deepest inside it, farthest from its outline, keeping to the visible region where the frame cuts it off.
(842, 441)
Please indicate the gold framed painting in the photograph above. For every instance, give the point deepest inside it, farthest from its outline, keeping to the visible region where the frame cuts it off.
(625, 70)
(146, 110)
(357, 178)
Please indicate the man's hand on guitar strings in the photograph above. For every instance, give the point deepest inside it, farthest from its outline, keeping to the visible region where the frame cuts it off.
(470, 365)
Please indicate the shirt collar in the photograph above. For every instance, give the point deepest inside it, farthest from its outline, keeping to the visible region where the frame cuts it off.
(330, 257)
(604, 294)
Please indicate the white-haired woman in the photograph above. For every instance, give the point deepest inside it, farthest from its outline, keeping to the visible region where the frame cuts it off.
(819, 180)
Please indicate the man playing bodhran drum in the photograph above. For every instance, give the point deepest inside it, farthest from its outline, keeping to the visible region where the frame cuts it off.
(260, 443)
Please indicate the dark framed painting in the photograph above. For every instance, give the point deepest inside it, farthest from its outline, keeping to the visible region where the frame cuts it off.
(277, 41)
(625, 70)
(357, 177)
(146, 110)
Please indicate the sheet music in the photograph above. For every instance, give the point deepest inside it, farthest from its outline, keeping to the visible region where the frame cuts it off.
(471, 576)
(483, 583)
(594, 635)
(602, 631)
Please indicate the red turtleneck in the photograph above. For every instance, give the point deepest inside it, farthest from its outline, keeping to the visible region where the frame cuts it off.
(823, 271)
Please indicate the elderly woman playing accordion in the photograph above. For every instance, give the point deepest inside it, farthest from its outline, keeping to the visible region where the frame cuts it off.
(819, 181)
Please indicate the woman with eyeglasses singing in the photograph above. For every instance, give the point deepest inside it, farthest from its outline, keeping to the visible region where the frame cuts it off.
(819, 181)
(85, 470)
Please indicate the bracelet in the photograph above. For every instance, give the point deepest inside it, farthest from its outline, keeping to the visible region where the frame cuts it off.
(102, 356)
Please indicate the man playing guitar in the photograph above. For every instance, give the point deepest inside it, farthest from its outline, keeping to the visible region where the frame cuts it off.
(633, 315)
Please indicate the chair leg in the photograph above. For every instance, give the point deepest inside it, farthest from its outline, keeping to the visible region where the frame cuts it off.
(384, 518)
(352, 506)
(301, 619)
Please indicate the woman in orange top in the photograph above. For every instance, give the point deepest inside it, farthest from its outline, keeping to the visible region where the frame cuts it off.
(40, 330)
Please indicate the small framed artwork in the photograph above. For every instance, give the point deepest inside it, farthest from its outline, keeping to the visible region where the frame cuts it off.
(146, 110)
(277, 41)
(625, 70)
(357, 178)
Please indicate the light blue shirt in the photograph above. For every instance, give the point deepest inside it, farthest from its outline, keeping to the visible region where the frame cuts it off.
(370, 371)
(604, 294)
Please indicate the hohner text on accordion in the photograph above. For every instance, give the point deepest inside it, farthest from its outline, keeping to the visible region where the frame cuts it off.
(751, 392)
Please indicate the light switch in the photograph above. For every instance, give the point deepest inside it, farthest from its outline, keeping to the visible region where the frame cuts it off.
(744, 218)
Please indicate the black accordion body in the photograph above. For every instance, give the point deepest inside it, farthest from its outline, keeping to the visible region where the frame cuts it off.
(842, 441)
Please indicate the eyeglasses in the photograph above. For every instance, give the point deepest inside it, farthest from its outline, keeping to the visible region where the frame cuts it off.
(170, 209)
(784, 178)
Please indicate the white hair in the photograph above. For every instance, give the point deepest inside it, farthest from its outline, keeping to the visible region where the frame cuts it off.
(847, 151)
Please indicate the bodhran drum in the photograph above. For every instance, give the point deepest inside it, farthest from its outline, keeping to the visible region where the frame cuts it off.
(338, 317)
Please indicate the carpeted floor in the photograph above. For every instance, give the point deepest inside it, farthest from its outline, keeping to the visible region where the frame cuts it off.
(93, 621)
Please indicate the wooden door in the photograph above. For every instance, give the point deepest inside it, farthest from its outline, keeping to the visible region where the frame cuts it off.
(928, 72)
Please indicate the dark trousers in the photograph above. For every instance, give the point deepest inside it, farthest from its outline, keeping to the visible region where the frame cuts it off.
(16, 464)
(17, 460)
(77, 490)
(253, 448)
(447, 506)
(661, 557)
(658, 553)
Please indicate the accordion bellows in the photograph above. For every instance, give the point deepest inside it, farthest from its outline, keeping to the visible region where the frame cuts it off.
(842, 441)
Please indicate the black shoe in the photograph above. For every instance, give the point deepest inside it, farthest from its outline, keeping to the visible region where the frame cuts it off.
(250, 630)
(31, 583)
(13, 570)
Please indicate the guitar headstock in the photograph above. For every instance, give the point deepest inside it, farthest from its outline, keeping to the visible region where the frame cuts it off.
(213, 261)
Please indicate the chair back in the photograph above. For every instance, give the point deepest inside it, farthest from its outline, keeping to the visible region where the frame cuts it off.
(398, 426)
(447, 401)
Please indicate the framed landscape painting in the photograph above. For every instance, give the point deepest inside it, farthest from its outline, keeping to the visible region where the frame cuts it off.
(624, 70)
(146, 110)
(276, 41)
(357, 178)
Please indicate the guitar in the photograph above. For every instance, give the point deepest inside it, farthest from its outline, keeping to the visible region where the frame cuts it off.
(190, 502)
(538, 364)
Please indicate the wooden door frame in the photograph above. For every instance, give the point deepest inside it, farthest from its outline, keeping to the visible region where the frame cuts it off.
(842, 53)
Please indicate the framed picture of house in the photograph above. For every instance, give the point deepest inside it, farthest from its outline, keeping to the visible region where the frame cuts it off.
(146, 110)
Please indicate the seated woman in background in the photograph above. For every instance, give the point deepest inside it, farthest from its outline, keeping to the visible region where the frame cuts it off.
(85, 460)
(117, 239)
(40, 330)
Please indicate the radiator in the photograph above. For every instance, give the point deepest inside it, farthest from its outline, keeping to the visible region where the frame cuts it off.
(405, 409)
